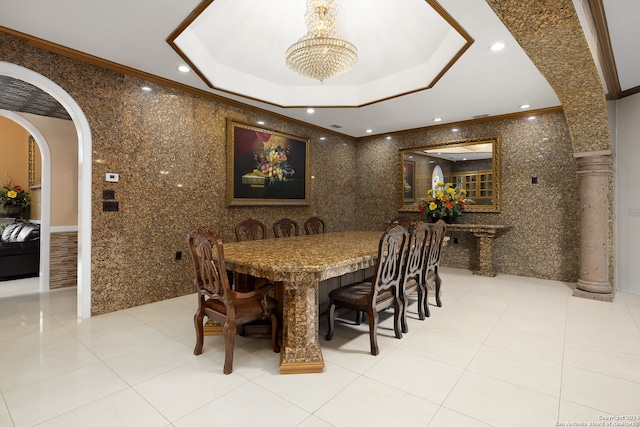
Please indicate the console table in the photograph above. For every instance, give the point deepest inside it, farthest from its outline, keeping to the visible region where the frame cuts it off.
(485, 235)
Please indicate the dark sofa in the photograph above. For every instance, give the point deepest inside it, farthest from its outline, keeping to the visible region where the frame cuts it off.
(20, 251)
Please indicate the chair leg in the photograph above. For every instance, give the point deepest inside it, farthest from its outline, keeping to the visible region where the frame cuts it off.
(397, 314)
(274, 333)
(198, 320)
(405, 327)
(421, 304)
(330, 318)
(373, 331)
(427, 312)
(229, 332)
(438, 284)
(358, 317)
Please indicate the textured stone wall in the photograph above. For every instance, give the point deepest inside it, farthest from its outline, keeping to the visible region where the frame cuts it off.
(355, 186)
(551, 34)
(137, 134)
(544, 240)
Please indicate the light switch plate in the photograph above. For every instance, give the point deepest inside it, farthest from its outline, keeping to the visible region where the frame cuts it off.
(112, 177)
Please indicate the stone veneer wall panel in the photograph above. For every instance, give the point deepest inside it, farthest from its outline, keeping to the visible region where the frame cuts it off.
(63, 259)
(137, 134)
(551, 34)
(544, 240)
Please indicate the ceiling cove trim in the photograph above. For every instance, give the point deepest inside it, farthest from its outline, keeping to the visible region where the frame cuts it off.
(433, 3)
(470, 122)
(608, 62)
(113, 66)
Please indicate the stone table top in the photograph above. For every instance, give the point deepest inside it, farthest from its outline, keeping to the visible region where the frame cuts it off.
(317, 257)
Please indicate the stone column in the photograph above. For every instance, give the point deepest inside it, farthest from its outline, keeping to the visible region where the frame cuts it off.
(485, 253)
(594, 171)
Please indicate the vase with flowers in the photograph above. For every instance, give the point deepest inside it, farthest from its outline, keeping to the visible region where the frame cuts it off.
(14, 200)
(444, 201)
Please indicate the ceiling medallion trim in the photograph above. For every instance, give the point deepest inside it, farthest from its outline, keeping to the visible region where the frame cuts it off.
(468, 41)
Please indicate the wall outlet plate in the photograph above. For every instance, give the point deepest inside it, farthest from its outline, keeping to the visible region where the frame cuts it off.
(112, 177)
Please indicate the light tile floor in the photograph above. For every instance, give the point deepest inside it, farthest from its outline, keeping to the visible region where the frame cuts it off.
(503, 351)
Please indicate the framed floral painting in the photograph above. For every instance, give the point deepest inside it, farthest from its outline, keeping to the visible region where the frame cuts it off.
(266, 167)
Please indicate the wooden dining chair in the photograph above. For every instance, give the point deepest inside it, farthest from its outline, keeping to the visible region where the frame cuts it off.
(218, 302)
(431, 273)
(414, 278)
(250, 229)
(381, 293)
(285, 227)
(315, 225)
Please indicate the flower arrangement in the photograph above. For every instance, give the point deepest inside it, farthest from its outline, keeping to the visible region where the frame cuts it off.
(272, 163)
(14, 196)
(444, 202)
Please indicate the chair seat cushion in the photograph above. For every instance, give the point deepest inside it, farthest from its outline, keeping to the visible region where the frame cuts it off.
(357, 294)
(247, 309)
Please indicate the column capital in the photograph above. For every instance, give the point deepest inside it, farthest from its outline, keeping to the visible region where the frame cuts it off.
(594, 162)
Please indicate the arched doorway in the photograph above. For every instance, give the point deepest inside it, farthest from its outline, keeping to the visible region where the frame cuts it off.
(84, 174)
(45, 232)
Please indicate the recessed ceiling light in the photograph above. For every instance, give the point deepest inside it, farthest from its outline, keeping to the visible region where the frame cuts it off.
(455, 130)
(164, 172)
(437, 119)
(369, 130)
(183, 69)
(497, 46)
(260, 122)
(322, 138)
(179, 185)
(310, 110)
(523, 106)
(146, 88)
(531, 118)
(388, 137)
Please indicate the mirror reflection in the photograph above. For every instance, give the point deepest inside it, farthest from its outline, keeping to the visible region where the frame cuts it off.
(470, 164)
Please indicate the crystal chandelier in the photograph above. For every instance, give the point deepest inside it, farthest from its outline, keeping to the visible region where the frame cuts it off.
(321, 53)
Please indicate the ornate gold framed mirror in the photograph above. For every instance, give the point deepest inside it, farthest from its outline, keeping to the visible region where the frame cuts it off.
(472, 164)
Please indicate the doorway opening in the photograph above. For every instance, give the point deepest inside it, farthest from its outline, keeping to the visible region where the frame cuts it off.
(84, 179)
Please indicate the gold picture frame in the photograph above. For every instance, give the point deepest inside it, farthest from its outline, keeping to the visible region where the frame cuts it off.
(265, 167)
(35, 164)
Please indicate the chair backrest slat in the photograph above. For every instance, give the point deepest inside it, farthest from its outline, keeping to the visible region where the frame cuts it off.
(314, 225)
(250, 229)
(389, 270)
(418, 251)
(285, 227)
(207, 254)
(435, 248)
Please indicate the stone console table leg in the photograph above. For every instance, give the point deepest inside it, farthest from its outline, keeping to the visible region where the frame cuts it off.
(300, 352)
(485, 253)
(594, 170)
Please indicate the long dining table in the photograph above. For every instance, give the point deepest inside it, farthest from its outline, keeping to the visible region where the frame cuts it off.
(300, 263)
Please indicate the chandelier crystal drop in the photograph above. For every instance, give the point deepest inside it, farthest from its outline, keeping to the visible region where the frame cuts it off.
(321, 53)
